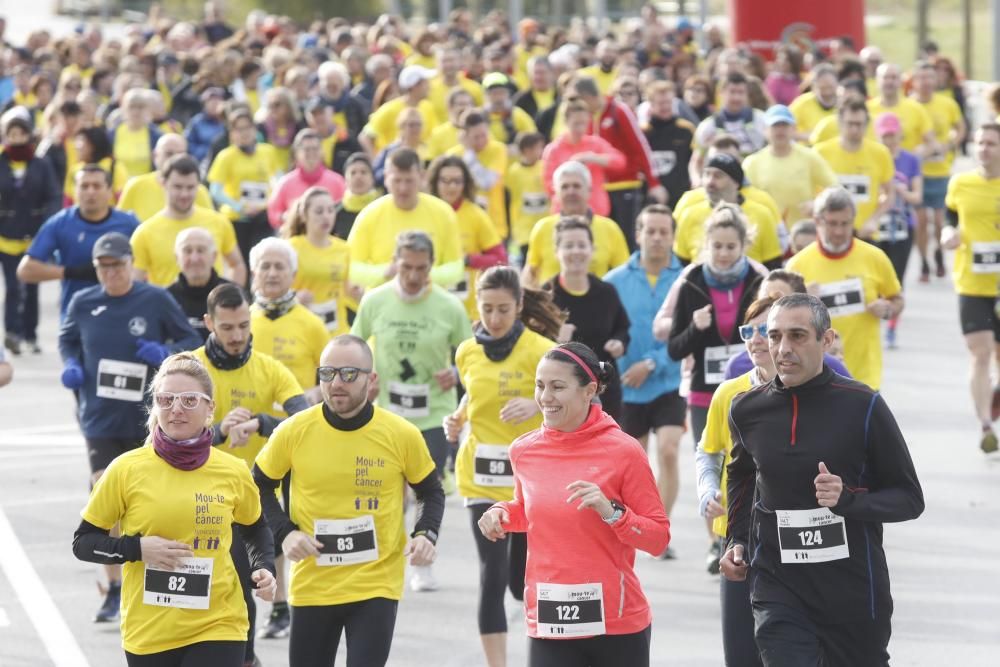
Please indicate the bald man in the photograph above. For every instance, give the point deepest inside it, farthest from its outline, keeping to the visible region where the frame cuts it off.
(144, 195)
(196, 254)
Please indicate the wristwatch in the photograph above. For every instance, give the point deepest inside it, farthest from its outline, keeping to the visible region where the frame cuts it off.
(650, 365)
(618, 512)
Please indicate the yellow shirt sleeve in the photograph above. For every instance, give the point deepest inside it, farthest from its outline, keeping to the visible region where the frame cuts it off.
(142, 258)
(275, 459)
(417, 463)
(247, 508)
(619, 248)
(106, 504)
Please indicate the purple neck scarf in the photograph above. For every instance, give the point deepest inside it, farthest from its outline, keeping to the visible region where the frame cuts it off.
(183, 454)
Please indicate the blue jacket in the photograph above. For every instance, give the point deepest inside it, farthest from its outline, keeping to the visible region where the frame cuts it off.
(28, 201)
(200, 133)
(642, 303)
(100, 328)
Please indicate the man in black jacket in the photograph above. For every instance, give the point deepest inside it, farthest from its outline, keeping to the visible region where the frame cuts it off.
(818, 464)
(196, 252)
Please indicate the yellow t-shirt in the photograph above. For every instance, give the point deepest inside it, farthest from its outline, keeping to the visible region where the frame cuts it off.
(808, 112)
(977, 201)
(912, 115)
(145, 196)
(610, 247)
(717, 437)
(444, 137)
(945, 115)
(519, 120)
(296, 339)
(153, 242)
(489, 385)
(324, 271)
(478, 235)
(749, 192)
(133, 151)
(382, 128)
(862, 173)
(690, 235)
(246, 179)
(150, 497)
(439, 92)
(494, 158)
(362, 478)
(529, 202)
(257, 385)
(604, 79)
(848, 284)
(829, 128)
(373, 236)
(793, 180)
(417, 58)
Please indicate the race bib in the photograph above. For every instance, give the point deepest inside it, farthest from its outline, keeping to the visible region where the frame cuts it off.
(253, 193)
(811, 536)
(535, 202)
(893, 228)
(327, 312)
(844, 297)
(346, 541)
(986, 257)
(492, 467)
(858, 185)
(187, 587)
(716, 359)
(664, 162)
(409, 400)
(120, 380)
(570, 610)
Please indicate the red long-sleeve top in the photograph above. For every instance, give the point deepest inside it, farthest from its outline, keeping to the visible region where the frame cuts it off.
(574, 546)
(619, 127)
(563, 149)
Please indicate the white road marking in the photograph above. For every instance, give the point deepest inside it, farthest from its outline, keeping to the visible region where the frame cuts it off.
(4, 618)
(49, 624)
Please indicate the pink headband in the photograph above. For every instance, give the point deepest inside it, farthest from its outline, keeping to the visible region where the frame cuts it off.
(578, 360)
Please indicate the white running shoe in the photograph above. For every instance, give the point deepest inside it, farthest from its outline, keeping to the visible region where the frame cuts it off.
(423, 580)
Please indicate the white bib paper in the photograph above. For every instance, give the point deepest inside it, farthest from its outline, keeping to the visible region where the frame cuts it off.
(570, 610)
(346, 541)
(120, 380)
(811, 536)
(187, 587)
(844, 297)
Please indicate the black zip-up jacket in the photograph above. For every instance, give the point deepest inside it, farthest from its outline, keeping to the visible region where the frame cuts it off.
(780, 435)
(686, 338)
(28, 201)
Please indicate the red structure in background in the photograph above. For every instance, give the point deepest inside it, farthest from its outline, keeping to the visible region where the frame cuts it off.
(763, 25)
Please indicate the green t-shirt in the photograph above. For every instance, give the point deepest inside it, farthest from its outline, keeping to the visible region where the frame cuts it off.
(413, 341)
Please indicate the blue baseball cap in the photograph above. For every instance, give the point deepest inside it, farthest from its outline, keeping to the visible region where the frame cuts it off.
(778, 113)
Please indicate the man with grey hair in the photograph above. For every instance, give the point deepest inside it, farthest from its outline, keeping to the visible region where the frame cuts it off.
(854, 279)
(918, 127)
(541, 94)
(416, 326)
(195, 252)
(572, 184)
(349, 110)
(818, 465)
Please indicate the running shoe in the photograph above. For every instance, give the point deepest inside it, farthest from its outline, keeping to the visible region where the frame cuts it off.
(423, 580)
(12, 343)
(712, 558)
(988, 443)
(33, 346)
(112, 604)
(668, 554)
(278, 624)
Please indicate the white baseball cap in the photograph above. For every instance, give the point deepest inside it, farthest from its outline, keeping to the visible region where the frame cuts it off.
(414, 74)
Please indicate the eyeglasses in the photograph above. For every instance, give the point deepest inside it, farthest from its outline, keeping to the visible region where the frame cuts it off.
(165, 400)
(347, 373)
(747, 331)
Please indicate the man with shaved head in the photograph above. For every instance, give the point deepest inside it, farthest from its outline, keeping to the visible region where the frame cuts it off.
(145, 195)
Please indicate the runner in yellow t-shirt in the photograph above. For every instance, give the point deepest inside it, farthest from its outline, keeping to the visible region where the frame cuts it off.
(529, 202)
(973, 232)
(381, 129)
(177, 502)
(449, 180)
(864, 168)
(918, 129)
(497, 368)
(145, 195)
(448, 78)
(854, 279)
(445, 136)
(134, 138)
(486, 159)
(323, 259)
(811, 107)
(153, 241)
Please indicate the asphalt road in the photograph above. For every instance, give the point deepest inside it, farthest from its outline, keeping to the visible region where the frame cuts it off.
(947, 598)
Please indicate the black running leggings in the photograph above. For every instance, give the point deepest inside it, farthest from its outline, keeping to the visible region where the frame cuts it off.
(316, 633)
(738, 643)
(601, 651)
(201, 654)
(501, 565)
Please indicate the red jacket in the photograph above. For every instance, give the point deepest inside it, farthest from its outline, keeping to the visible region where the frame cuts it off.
(571, 546)
(619, 127)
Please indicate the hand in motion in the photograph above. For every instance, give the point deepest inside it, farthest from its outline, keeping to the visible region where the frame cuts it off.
(828, 487)
(590, 496)
(491, 523)
(420, 551)
(163, 554)
(702, 318)
(266, 584)
(732, 565)
(298, 546)
(518, 410)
